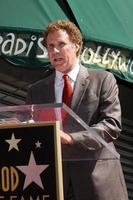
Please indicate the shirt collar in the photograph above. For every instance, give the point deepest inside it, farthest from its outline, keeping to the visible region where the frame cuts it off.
(72, 74)
(58, 75)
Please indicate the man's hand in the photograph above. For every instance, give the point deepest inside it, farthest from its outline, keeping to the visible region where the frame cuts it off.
(65, 138)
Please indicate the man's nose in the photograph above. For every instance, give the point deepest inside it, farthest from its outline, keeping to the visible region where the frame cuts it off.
(56, 49)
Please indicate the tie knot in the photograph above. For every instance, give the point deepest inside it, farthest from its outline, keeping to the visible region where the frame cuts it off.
(65, 77)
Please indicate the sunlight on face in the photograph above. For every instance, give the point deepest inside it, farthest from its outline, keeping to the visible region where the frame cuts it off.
(61, 51)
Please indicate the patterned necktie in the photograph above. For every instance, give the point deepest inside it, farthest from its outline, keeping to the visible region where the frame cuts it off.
(67, 91)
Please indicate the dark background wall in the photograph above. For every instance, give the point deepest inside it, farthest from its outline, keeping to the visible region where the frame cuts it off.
(124, 144)
(126, 98)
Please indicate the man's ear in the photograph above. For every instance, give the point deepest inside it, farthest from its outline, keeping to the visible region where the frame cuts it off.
(77, 47)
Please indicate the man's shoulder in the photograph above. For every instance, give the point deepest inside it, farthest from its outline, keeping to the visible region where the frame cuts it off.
(45, 81)
(98, 73)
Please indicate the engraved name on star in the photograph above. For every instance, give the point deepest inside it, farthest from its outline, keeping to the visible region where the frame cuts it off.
(32, 172)
(13, 143)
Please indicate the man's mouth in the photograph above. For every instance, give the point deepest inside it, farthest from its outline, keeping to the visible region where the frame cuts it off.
(57, 59)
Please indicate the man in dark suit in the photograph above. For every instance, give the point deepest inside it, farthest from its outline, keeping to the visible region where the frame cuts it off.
(95, 100)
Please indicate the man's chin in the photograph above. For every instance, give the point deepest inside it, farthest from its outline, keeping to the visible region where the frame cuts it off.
(60, 68)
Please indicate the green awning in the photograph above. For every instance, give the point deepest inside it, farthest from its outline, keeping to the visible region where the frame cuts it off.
(107, 21)
(106, 25)
(21, 24)
(29, 15)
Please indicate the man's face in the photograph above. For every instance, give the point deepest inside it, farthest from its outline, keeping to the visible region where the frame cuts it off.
(61, 51)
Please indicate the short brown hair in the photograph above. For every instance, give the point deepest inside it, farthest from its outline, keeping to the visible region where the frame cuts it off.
(71, 29)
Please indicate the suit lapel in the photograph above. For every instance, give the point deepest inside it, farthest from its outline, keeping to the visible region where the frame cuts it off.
(50, 93)
(81, 85)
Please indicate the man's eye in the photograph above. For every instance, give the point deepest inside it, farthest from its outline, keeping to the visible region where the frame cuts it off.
(59, 46)
(62, 45)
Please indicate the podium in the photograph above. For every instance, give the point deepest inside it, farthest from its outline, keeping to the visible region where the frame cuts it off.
(32, 154)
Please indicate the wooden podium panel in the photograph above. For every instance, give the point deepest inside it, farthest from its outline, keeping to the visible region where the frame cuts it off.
(30, 162)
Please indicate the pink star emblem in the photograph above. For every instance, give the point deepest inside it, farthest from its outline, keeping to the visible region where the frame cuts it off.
(32, 172)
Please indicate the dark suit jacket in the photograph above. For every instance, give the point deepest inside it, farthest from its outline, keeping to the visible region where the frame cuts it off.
(95, 100)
